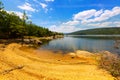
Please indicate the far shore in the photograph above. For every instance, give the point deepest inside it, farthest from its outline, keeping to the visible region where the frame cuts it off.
(23, 63)
(28, 39)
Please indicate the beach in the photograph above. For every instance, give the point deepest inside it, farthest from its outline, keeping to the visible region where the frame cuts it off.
(19, 62)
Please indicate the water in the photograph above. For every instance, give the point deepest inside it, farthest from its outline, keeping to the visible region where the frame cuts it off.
(90, 43)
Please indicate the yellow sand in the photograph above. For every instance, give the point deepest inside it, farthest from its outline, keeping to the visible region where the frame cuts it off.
(18, 63)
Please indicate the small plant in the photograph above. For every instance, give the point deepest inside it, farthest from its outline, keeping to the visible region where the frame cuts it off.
(110, 62)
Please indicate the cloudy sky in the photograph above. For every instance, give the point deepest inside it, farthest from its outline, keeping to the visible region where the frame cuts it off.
(68, 15)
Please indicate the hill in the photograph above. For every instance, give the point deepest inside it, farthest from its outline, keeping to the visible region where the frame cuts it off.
(98, 31)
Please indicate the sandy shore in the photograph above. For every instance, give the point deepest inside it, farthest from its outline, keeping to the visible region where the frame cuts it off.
(22, 63)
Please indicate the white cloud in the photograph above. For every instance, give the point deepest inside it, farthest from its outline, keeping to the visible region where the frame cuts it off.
(84, 15)
(117, 23)
(46, 10)
(49, 0)
(103, 24)
(100, 15)
(43, 5)
(27, 7)
(90, 19)
(63, 28)
(71, 23)
(20, 14)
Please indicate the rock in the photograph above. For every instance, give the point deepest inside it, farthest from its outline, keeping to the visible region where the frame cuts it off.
(83, 53)
(38, 42)
(26, 41)
(33, 41)
(72, 54)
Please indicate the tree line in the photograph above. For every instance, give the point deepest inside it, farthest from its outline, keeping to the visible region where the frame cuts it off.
(98, 31)
(12, 26)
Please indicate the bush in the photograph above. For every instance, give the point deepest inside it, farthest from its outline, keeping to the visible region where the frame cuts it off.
(110, 62)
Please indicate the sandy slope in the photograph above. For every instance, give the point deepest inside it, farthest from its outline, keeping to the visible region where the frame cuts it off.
(27, 64)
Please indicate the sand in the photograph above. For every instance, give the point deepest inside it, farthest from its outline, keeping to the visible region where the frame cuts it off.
(23, 63)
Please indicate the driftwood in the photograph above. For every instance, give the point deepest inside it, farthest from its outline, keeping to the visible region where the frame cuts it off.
(12, 69)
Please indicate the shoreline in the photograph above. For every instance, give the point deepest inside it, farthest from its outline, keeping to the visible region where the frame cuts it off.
(17, 61)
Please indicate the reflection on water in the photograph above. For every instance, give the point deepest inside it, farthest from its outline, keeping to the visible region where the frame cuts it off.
(92, 44)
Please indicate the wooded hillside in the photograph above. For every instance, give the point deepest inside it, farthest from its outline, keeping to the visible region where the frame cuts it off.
(12, 26)
(98, 31)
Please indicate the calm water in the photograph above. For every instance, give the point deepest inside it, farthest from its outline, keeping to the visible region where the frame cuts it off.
(89, 43)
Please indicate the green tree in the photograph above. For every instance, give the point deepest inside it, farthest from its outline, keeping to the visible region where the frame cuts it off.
(1, 6)
(12, 26)
(24, 18)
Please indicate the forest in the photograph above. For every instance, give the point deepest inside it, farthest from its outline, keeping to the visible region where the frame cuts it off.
(98, 31)
(12, 26)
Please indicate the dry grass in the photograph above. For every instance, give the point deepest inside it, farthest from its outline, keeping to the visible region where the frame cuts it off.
(46, 65)
(110, 62)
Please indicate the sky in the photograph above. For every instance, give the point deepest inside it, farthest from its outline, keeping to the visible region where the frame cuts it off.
(68, 15)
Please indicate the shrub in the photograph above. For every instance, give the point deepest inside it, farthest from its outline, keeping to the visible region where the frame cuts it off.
(110, 62)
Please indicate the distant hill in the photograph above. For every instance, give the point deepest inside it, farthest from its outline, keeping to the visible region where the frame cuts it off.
(98, 31)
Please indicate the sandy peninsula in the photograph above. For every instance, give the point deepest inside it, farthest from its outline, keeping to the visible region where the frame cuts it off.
(23, 63)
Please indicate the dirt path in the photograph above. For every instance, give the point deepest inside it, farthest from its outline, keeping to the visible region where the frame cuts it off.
(26, 64)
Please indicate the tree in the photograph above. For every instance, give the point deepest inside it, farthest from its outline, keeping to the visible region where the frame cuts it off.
(1, 13)
(1, 6)
(24, 18)
(12, 26)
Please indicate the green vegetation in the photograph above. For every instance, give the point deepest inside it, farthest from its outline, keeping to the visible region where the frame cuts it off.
(98, 31)
(110, 62)
(12, 26)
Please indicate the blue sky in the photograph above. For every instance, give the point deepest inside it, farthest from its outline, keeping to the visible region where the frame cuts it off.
(68, 15)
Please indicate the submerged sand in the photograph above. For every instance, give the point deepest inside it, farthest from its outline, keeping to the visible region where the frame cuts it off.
(22, 63)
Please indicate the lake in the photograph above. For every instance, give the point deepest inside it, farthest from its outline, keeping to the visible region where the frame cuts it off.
(92, 43)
